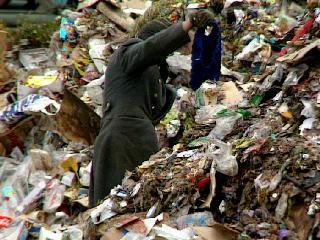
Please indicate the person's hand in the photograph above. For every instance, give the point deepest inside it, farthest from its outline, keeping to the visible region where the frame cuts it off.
(201, 18)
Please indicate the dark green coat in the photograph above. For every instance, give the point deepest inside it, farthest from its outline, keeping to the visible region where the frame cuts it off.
(136, 99)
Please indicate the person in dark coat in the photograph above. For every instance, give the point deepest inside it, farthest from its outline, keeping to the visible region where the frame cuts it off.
(136, 98)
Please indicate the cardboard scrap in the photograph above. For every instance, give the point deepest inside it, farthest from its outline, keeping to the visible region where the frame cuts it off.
(216, 232)
(126, 221)
(298, 55)
(116, 15)
(232, 96)
(3, 47)
(76, 121)
(112, 234)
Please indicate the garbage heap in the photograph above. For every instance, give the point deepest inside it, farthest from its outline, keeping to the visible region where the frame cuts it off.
(239, 158)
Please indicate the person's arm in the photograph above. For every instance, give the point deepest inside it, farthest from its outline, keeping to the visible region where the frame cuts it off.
(149, 52)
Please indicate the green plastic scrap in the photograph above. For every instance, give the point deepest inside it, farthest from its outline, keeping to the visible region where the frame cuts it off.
(173, 114)
(244, 236)
(227, 112)
(256, 99)
(244, 144)
(198, 142)
(245, 114)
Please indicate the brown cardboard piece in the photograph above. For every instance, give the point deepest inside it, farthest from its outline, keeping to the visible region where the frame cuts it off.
(298, 55)
(232, 95)
(112, 234)
(116, 15)
(3, 48)
(216, 232)
(76, 121)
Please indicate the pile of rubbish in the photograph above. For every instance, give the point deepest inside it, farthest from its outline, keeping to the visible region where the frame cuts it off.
(239, 158)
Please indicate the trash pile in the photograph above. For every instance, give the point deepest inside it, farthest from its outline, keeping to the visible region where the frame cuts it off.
(239, 158)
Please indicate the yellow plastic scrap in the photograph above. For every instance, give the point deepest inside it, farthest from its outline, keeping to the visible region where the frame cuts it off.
(78, 63)
(70, 164)
(40, 81)
(244, 144)
(287, 115)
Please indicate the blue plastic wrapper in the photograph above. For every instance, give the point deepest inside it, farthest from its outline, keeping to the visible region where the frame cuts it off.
(30, 104)
(60, 2)
(67, 30)
(15, 111)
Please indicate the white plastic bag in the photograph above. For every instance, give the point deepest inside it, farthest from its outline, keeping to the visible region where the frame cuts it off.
(221, 153)
(224, 126)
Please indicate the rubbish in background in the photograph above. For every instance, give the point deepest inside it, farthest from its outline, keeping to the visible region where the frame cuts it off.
(180, 65)
(85, 123)
(17, 231)
(95, 91)
(103, 212)
(32, 197)
(215, 232)
(35, 58)
(67, 30)
(252, 48)
(207, 94)
(221, 153)
(201, 219)
(41, 160)
(224, 126)
(67, 178)
(174, 234)
(208, 114)
(35, 83)
(295, 74)
(227, 72)
(232, 96)
(96, 52)
(54, 196)
(46, 234)
(30, 104)
(176, 180)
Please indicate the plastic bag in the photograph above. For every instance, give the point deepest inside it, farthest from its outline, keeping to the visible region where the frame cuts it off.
(295, 74)
(50, 81)
(221, 153)
(173, 234)
(30, 104)
(103, 211)
(208, 114)
(16, 231)
(251, 49)
(308, 111)
(135, 236)
(9, 201)
(207, 94)
(284, 22)
(275, 77)
(67, 30)
(200, 219)
(41, 160)
(97, 48)
(14, 175)
(224, 126)
(95, 91)
(35, 58)
(73, 233)
(32, 197)
(54, 196)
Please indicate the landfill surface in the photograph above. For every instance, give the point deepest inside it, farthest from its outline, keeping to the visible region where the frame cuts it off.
(239, 157)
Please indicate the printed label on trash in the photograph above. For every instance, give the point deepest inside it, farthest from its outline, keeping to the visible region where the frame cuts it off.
(40, 81)
(5, 221)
